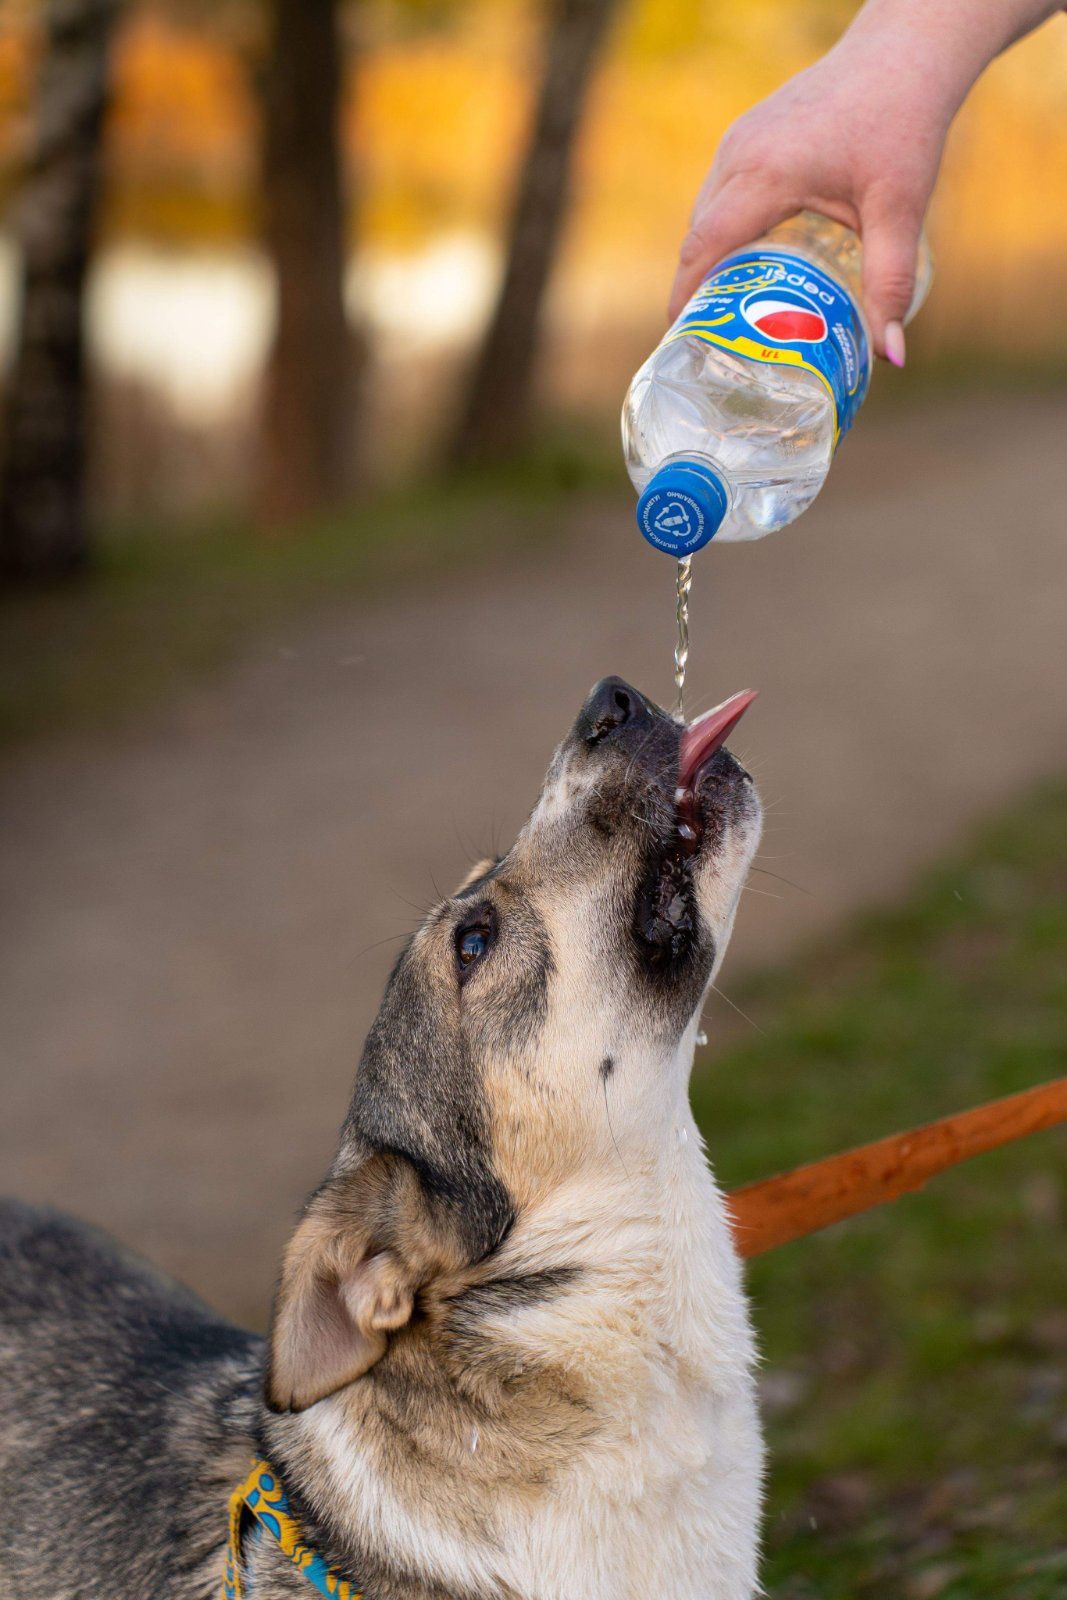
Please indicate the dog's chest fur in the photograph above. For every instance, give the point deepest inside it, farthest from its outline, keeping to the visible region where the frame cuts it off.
(666, 1494)
(603, 1441)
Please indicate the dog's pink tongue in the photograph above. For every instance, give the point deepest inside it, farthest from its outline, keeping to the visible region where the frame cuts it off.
(704, 736)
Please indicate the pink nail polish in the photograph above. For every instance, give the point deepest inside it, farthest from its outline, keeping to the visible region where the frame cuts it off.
(894, 343)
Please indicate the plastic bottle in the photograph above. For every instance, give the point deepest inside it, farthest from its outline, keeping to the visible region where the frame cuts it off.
(730, 426)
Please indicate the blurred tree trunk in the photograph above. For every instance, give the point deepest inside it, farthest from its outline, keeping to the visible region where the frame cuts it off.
(44, 529)
(496, 411)
(308, 428)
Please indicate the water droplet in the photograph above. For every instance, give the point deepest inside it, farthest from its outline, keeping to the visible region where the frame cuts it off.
(474, 1440)
(683, 1135)
(702, 1038)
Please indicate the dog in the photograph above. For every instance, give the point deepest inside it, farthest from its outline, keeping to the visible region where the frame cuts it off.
(510, 1356)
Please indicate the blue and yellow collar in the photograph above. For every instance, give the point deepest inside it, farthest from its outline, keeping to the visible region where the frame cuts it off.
(262, 1494)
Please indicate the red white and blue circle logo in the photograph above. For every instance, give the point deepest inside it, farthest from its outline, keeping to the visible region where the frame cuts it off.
(784, 316)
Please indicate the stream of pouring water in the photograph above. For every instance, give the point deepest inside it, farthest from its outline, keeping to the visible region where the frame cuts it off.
(681, 648)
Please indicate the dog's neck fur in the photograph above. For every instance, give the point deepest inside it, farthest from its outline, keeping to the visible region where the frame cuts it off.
(557, 1428)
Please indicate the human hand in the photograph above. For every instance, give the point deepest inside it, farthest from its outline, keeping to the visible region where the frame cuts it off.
(858, 138)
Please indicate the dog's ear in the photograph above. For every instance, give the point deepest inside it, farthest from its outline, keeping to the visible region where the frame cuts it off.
(348, 1280)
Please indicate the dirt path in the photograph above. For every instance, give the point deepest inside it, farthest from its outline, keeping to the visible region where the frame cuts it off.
(193, 912)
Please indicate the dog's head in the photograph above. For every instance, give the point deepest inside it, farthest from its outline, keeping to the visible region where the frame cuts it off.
(540, 1019)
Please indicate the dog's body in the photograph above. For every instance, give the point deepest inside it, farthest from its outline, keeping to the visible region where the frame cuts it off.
(510, 1356)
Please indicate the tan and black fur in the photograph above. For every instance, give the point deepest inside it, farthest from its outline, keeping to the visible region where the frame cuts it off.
(510, 1357)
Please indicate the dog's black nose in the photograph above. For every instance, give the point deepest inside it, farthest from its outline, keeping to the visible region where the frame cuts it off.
(613, 704)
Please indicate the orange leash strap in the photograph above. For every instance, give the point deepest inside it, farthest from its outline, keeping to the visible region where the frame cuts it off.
(780, 1209)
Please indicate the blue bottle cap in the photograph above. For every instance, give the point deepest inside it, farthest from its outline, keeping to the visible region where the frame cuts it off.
(682, 507)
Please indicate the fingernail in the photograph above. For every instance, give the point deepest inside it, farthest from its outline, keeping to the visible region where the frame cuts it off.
(894, 343)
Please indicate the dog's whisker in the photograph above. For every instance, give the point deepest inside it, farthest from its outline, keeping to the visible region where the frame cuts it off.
(607, 1112)
(420, 911)
(734, 1006)
(636, 756)
(390, 938)
(767, 873)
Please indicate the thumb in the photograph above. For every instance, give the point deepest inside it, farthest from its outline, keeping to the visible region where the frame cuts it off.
(890, 245)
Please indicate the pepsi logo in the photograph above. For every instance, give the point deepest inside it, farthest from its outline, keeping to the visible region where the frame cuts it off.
(783, 316)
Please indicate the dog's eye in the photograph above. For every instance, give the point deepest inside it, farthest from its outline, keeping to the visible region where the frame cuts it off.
(472, 942)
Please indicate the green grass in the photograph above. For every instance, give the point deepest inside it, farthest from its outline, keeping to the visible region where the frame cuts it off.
(916, 1357)
(162, 606)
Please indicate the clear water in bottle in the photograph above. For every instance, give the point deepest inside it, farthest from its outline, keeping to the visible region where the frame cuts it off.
(730, 426)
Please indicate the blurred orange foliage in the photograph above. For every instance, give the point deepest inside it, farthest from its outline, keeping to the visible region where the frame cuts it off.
(434, 123)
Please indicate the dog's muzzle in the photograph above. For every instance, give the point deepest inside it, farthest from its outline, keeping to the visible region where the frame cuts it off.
(683, 784)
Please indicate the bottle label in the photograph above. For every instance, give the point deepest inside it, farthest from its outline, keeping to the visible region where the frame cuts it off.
(775, 307)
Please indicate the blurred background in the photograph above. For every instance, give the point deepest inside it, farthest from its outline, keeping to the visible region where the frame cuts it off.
(315, 320)
(296, 224)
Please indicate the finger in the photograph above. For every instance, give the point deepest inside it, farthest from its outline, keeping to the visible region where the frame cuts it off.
(743, 209)
(890, 245)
